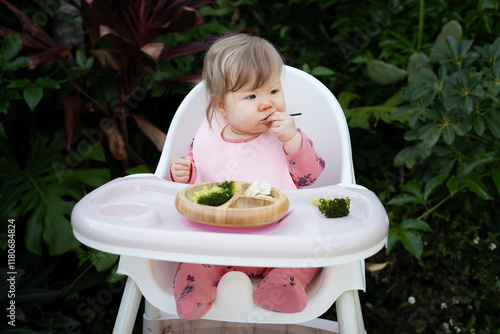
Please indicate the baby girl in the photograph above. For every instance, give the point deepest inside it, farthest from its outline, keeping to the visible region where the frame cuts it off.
(246, 136)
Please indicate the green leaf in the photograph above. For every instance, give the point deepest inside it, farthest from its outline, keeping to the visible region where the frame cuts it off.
(322, 71)
(392, 238)
(11, 45)
(80, 58)
(475, 162)
(430, 134)
(448, 135)
(458, 128)
(403, 199)
(86, 151)
(16, 64)
(451, 28)
(96, 152)
(141, 169)
(159, 90)
(19, 83)
(345, 99)
(360, 119)
(92, 177)
(412, 242)
(57, 233)
(34, 231)
(492, 119)
(433, 184)
(467, 104)
(495, 175)
(33, 95)
(384, 73)
(103, 261)
(474, 183)
(479, 125)
(82, 62)
(47, 83)
(488, 4)
(417, 62)
(453, 184)
(415, 224)
(407, 156)
(5, 96)
(414, 187)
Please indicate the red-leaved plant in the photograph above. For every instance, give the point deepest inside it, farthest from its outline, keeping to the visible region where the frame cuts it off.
(121, 36)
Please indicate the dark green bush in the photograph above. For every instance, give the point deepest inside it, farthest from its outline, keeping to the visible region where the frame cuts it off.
(445, 211)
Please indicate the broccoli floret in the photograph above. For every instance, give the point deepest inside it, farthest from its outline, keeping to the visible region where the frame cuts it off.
(228, 185)
(334, 207)
(215, 196)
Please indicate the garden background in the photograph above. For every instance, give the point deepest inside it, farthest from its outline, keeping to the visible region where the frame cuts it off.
(87, 94)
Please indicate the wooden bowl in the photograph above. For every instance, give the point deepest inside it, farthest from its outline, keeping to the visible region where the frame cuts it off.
(239, 211)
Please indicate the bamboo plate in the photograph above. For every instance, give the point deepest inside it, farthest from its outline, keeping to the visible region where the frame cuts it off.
(239, 211)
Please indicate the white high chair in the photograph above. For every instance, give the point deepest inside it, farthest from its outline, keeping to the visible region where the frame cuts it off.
(135, 217)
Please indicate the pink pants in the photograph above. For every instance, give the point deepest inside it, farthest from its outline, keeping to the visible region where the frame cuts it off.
(281, 290)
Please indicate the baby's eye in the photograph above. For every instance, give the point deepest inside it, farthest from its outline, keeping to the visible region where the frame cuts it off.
(251, 97)
(274, 91)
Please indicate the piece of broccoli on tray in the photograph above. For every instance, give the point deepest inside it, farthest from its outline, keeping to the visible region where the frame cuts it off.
(333, 207)
(215, 196)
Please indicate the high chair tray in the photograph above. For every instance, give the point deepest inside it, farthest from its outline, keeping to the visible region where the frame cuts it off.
(136, 216)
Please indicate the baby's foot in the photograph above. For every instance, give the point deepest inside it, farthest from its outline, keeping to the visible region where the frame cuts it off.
(194, 304)
(281, 294)
(192, 310)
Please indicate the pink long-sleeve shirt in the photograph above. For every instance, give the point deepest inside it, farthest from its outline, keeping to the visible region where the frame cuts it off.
(304, 166)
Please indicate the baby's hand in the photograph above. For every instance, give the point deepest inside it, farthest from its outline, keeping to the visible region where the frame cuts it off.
(181, 170)
(283, 126)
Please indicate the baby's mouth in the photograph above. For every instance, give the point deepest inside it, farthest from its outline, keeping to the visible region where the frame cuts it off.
(265, 120)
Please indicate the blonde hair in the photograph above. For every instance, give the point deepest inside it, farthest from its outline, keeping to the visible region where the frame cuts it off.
(233, 62)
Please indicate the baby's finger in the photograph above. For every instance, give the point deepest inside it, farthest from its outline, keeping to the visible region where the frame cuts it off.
(278, 116)
(183, 162)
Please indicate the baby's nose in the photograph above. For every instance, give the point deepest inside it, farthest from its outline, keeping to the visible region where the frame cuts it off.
(264, 105)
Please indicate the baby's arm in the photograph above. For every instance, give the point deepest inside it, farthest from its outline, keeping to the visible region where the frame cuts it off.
(182, 169)
(305, 165)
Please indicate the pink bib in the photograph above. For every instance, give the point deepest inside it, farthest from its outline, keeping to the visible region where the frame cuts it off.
(262, 158)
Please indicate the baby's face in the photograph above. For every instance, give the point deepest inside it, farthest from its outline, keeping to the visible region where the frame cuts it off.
(247, 109)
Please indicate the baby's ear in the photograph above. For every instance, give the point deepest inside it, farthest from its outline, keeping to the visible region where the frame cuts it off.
(221, 108)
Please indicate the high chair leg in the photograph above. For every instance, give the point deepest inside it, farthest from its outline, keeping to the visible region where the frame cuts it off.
(349, 315)
(359, 315)
(128, 308)
(150, 311)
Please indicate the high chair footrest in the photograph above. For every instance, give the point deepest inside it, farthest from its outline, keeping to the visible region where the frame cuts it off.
(170, 324)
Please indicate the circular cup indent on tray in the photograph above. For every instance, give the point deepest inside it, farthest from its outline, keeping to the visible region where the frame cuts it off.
(136, 214)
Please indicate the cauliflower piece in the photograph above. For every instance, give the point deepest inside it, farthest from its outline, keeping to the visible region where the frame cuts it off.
(259, 190)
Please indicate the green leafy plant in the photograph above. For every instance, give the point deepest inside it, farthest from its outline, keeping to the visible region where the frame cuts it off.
(18, 88)
(444, 214)
(44, 188)
(454, 128)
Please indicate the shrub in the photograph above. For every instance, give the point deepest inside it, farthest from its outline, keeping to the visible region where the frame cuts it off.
(445, 212)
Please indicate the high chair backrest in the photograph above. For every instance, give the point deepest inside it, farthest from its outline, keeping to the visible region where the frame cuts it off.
(322, 120)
